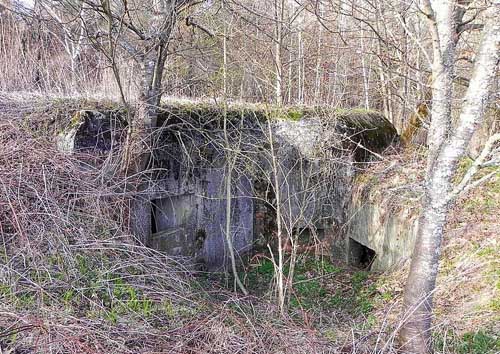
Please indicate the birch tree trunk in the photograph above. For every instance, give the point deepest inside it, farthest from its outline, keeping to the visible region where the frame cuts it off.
(278, 17)
(145, 117)
(446, 149)
(140, 140)
(137, 150)
(317, 81)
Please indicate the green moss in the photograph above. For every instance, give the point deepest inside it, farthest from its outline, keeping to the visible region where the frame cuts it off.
(355, 118)
(6, 292)
(488, 251)
(25, 299)
(309, 289)
(354, 111)
(492, 186)
(266, 268)
(483, 203)
(168, 308)
(358, 279)
(75, 120)
(330, 334)
(315, 266)
(294, 115)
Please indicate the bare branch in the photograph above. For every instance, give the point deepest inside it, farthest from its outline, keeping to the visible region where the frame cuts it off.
(466, 184)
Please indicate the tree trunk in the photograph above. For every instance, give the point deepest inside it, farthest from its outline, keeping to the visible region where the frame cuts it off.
(142, 122)
(140, 138)
(278, 17)
(415, 335)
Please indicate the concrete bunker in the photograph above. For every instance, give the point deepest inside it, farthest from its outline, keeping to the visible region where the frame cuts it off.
(182, 209)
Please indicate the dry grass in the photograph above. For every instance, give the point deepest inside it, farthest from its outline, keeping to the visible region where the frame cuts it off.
(468, 287)
(73, 281)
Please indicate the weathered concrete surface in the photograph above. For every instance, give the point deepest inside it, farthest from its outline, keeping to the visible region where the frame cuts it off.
(391, 234)
(92, 131)
(313, 158)
(382, 215)
(190, 217)
(182, 208)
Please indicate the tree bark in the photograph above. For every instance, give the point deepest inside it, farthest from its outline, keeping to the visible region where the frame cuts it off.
(278, 17)
(415, 335)
(140, 139)
(138, 147)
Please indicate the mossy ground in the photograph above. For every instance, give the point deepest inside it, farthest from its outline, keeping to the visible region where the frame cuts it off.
(319, 286)
(336, 299)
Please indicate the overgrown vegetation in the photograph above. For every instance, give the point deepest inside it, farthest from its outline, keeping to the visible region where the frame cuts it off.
(320, 287)
(467, 289)
(71, 276)
(72, 280)
(468, 343)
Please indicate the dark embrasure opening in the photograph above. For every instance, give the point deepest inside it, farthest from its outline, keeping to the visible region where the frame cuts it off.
(360, 255)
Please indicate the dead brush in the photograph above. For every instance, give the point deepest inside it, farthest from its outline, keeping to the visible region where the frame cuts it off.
(63, 241)
(72, 280)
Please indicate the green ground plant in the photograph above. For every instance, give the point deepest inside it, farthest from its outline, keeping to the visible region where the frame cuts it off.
(479, 342)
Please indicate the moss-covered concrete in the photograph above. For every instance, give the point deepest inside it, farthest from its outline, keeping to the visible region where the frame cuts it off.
(368, 129)
(314, 146)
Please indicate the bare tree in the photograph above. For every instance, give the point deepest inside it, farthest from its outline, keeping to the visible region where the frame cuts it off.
(447, 146)
(138, 30)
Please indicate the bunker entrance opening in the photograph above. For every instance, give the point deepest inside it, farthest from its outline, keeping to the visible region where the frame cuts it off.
(162, 215)
(360, 256)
